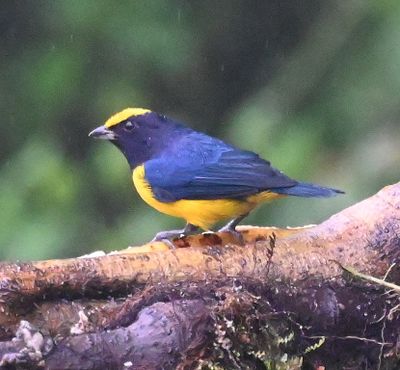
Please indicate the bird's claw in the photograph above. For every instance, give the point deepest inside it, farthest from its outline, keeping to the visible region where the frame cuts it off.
(168, 236)
(236, 234)
(167, 242)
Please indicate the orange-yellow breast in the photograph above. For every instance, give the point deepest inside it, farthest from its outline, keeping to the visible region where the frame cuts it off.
(203, 213)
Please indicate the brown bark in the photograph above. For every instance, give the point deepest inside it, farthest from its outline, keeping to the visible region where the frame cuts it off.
(216, 301)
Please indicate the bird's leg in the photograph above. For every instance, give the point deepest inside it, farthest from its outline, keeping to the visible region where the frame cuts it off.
(230, 227)
(171, 234)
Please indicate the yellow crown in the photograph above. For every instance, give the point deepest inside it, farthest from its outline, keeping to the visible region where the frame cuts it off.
(125, 114)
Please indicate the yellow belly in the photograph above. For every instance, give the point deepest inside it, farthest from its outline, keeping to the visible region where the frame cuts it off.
(203, 213)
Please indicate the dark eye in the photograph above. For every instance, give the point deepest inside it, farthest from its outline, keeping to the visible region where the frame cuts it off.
(129, 125)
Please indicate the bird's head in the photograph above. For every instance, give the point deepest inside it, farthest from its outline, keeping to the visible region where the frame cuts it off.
(139, 133)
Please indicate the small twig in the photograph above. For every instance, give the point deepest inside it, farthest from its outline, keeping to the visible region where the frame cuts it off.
(369, 278)
(352, 337)
(388, 270)
(392, 311)
(272, 244)
(383, 341)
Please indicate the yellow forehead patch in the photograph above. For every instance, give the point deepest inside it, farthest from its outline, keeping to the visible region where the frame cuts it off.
(125, 114)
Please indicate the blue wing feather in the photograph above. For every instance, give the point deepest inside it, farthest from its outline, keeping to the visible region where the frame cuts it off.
(198, 166)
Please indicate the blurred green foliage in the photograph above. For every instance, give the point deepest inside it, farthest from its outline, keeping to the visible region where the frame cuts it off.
(313, 86)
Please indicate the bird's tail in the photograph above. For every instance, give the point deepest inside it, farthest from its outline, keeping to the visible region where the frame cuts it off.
(303, 189)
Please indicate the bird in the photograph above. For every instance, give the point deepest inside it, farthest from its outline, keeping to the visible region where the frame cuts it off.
(190, 175)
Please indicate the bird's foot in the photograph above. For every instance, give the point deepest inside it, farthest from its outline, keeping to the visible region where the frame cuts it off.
(232, 230)
(168, 235)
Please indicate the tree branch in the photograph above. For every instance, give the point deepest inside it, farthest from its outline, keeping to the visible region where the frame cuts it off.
(212, 301)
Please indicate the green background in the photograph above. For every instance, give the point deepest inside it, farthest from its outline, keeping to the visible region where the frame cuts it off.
(313, 86)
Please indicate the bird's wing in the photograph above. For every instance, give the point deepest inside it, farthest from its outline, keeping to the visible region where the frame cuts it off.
(202, 167)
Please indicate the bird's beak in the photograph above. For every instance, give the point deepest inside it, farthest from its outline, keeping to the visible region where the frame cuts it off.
(102, 132)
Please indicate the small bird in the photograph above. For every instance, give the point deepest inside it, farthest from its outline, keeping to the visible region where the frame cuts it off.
(194, 176)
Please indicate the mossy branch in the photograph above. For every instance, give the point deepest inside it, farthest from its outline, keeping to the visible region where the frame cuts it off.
(212, 302)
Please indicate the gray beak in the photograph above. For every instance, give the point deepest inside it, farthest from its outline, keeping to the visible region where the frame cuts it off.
(102, 132)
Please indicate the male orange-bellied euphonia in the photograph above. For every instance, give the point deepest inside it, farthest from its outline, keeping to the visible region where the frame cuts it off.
(188, 174)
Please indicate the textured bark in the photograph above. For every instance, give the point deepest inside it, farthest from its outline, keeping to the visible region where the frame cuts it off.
(213, 301)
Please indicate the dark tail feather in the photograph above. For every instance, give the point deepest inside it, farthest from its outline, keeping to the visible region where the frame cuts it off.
(303, 189)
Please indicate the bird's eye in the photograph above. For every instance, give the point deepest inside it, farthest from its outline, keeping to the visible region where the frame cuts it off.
(129, 125)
